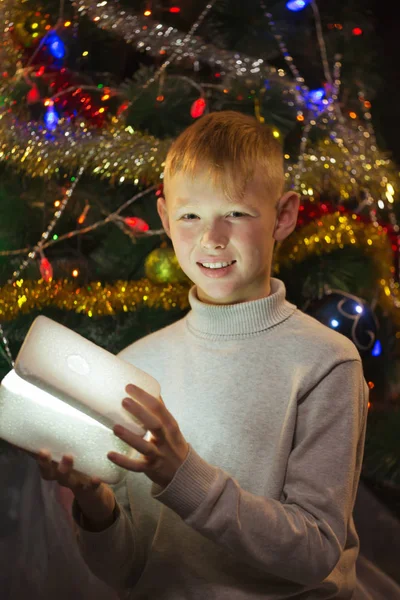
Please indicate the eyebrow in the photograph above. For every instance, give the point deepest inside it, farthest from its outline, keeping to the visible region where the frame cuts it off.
(236, 204)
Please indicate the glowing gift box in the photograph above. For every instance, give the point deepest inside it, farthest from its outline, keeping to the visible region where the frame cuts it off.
(65, 395)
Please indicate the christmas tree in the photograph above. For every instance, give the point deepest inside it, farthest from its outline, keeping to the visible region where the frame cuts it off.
(91, 96)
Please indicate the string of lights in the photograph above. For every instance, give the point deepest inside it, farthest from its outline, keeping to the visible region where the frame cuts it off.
(112, 217)
(38, 248)
(176, 54)
(156, 38)
(8, 354)
(321, 41)
(285, 52)
(359, 145)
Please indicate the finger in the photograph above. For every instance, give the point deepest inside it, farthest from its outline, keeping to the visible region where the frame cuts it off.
(96, 482)
(136, 441)
(44, 459)
(44, 455)
(147, 418)
(138, 393)
(66, 464)
(46, 466)
(127, 463)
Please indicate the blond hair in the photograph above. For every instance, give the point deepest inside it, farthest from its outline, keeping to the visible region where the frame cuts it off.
(233, 148)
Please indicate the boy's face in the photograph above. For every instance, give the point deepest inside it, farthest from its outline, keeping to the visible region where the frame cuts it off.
(206, 227)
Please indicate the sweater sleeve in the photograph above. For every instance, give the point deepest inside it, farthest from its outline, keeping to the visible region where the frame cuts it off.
(301, 536)
(112, 554)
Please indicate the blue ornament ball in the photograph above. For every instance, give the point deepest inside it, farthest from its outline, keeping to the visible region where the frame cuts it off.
(350, 316)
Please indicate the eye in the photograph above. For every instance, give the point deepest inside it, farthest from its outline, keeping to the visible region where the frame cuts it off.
(237, 213)
(186, 217)
(192, 216)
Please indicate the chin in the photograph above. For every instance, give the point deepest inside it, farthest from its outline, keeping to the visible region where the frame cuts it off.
(218, 296)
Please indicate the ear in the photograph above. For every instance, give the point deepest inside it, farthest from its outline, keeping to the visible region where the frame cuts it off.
(288, 208)
(163, 212)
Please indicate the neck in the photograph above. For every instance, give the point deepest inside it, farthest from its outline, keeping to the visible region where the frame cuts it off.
(227, 321)
(245, 296)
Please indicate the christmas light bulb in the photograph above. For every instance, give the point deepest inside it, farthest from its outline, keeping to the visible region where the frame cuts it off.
(51, 118)
(377, 349)
(82, 217)
(33, 95)
(46, 270)
(56, 45)
(136, 224)
(316, 96)
(296, 5)
(198, 108)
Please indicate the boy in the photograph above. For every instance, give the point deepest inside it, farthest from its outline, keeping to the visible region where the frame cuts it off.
(248, 479)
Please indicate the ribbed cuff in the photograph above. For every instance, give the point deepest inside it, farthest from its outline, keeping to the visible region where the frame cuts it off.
(189, 487)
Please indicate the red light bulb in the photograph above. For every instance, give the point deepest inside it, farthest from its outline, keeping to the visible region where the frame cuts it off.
(198, 108)
(136, 224)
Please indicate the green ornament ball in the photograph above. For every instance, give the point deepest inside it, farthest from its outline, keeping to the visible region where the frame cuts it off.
(161, 266)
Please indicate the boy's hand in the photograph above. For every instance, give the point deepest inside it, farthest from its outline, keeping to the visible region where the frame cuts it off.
(64, 473)
(166, 450)
(95, 498)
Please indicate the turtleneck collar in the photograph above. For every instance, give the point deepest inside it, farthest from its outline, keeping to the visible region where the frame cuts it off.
(245, 318)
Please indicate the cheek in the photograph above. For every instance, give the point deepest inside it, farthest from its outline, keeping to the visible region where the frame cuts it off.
(249, 240)
(253, 243)
(182, 241)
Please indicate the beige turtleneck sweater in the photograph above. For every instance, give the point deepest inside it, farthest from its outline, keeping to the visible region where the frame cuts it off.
(273, 405)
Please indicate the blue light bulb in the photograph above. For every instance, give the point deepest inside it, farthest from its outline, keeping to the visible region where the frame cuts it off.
(334, 323)
(377, 349)
(51, 118)
(56, 45)
(296, 5)
(316, 96)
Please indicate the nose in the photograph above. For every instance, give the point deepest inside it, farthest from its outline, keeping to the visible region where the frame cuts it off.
(214, 238)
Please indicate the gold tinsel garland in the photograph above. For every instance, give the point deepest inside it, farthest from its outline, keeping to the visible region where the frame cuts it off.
(97, 299)
(118, 153)
(333, 232)
(331, 169)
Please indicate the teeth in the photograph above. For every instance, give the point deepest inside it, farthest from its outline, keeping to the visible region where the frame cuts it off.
(216, 265)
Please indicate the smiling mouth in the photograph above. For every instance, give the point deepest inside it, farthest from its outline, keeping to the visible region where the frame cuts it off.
(216, 272)
(216, 265)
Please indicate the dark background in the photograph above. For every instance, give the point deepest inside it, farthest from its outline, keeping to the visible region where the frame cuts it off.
(386, 104)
